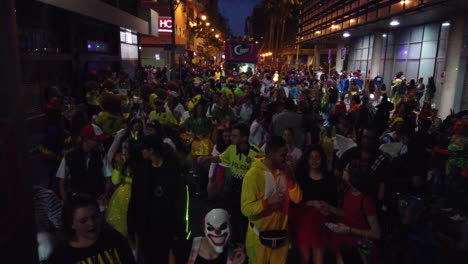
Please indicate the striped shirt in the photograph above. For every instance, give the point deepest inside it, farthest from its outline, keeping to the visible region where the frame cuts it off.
(47, 208)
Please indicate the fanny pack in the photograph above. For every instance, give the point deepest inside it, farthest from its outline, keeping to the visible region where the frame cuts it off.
(271, 238)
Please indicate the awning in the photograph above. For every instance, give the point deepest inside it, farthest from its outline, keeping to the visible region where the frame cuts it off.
(103, 12)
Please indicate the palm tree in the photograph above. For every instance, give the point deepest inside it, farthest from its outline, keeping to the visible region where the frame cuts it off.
(277, 13)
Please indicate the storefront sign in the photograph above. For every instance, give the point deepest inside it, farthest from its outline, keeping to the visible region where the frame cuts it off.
(165, 24)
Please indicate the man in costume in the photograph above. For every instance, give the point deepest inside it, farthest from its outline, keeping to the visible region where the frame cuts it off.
(238, 157)
(215, 246)
(266, 191)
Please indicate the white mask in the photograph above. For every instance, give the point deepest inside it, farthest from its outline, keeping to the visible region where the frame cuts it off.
(217, 229)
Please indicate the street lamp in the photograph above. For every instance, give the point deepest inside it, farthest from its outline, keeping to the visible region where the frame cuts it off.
(217, 36)
(207, 24)
(203, 17)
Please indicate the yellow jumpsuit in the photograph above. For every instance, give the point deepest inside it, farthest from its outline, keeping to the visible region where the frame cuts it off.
(259, 184)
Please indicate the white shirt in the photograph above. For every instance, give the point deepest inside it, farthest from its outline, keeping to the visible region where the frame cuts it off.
(179, 110)
(63, 171)
(257, 133)
(209, 110)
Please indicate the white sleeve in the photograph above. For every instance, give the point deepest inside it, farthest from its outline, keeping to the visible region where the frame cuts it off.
(106, 169)
(115, 144)
(62, 171)
(170, 143)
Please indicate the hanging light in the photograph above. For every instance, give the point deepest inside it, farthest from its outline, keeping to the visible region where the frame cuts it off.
(394, 23)
(346, 35)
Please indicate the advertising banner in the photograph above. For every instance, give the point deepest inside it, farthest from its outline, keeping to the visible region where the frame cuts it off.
(241, 51)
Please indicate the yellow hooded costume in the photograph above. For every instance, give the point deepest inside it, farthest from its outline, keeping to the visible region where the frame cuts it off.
(259, 184)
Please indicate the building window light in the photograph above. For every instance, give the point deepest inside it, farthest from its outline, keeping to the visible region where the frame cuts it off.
(317, 32)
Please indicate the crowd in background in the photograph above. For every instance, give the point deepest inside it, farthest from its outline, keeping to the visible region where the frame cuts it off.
(327, 164)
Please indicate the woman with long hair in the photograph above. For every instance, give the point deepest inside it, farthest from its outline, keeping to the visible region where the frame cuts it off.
(307, 220)
(218, 171)
(358, 217)
(125, 161)
(156, 213)
(85, 238)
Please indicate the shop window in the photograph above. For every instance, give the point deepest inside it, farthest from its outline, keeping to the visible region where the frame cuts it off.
(431, 31)
(426, 68)
(402, 51)
(417, 34)
(412, 68)
(429, 49)
(404, 36)
(414, 51)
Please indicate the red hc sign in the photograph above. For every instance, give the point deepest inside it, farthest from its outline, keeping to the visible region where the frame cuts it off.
(165, 24)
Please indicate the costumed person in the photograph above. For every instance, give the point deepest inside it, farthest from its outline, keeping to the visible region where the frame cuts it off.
(110, 119)
(397, 90)
(239, 157)
(161, 114)
(125, 162)
(199, 126)
(156, 212)
(267, 189)
(215, 247)
(307, 220)
(85, 238)
(222, 114)
(457, 167)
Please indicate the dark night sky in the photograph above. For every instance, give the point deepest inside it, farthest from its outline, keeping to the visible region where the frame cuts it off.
(236, 11)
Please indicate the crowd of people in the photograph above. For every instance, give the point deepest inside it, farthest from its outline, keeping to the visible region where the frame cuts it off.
(286, 161)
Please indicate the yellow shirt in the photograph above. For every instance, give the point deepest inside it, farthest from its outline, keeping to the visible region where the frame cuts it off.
(92, 98)
(165, 118)
(238, 162)
(259, 184)
(151, 99)
(201, 147)
(109, 123)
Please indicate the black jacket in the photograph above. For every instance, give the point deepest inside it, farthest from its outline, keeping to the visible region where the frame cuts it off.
(157, 205)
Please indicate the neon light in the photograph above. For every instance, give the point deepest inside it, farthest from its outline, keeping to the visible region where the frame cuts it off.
(187, 208)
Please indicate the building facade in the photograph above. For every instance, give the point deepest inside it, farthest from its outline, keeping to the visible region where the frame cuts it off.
(61, 42)
(421, 38)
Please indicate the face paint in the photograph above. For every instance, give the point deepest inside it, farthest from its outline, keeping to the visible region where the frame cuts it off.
(217, 229)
